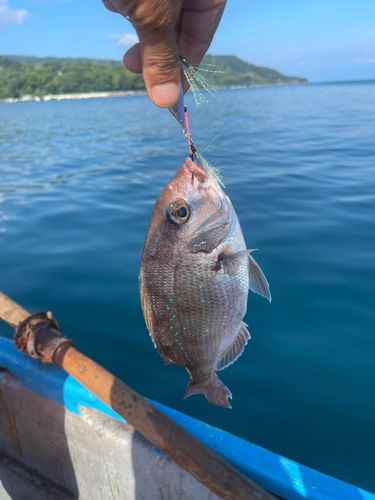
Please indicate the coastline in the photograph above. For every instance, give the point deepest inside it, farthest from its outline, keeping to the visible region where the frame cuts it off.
(95, 95)
(80, 95)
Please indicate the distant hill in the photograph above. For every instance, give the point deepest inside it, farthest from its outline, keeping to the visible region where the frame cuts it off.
(234, 71)
(23, 75)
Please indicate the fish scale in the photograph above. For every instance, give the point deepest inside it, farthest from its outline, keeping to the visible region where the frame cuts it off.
(194, 280)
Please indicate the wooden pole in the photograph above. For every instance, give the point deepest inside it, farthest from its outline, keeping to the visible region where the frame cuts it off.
(170, 438)
(11, 312)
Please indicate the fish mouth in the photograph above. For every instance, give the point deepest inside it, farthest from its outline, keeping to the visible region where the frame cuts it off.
(196, 171)
(189, 178)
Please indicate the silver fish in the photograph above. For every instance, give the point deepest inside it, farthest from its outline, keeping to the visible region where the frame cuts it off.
(194, 280)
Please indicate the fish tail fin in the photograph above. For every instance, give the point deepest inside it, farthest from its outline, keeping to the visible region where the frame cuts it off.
(214, 390)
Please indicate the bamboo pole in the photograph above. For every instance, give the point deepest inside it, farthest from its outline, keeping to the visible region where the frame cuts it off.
(170, 438)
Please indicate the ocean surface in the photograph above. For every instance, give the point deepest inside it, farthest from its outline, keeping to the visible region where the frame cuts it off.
(78, 181)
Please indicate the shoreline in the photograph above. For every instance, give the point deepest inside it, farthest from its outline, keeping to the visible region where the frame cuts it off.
(95, 95)
(78, 95)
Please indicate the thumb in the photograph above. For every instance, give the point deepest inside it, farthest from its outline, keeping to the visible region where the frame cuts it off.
(161, 64)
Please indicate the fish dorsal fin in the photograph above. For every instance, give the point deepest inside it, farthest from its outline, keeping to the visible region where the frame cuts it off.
(236, 349)
(145, 303)
(257, 281)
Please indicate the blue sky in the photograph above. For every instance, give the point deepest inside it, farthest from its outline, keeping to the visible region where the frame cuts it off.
(322, 40)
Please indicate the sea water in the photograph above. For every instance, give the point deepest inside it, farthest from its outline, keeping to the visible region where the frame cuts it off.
(78, 180)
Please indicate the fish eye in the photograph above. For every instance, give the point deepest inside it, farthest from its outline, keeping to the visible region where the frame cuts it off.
(179, 212)
(182, 212)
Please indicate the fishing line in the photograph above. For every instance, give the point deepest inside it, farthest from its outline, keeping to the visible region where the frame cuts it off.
(188, 133)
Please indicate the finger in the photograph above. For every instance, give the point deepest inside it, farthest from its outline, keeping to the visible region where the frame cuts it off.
(198, 26)
(185, 83)
(132, 59)
(155, 23)
(161, 68)
(109, 6)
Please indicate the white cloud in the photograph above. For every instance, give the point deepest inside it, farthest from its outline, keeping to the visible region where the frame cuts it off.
(11, 16)
(124, 40)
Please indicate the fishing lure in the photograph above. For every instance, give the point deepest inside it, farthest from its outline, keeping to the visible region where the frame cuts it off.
(196, 81)
(179, 111)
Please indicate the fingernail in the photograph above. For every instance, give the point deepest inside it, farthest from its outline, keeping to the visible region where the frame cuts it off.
(165, 94)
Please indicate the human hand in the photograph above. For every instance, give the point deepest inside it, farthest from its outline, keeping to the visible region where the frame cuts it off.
(167, 29)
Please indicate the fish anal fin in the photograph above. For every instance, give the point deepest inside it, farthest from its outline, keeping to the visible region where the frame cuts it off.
(157, 344)
(214, 390)
(166, 360)
(236, 349)
(257, 281)
(147, 314)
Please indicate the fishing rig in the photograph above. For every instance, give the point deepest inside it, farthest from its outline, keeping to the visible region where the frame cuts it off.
(179, 111)
(196, 81)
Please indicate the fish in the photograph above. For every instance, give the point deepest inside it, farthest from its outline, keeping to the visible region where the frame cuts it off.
(194, 280)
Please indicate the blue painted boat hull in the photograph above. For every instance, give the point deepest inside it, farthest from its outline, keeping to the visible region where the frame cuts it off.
(273, 472)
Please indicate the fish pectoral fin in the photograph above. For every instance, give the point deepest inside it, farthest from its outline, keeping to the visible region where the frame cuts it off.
(257, 281)
(230, 263)
(236, 349)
